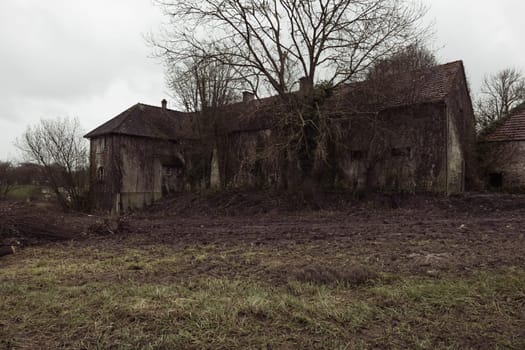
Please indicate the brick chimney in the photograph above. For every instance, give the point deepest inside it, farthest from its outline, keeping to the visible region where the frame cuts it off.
(305, 85)
(247, 96)
(164, 103)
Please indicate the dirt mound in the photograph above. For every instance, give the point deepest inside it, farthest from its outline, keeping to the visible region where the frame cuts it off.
(233, 203)
(236, 203)
(24, 224)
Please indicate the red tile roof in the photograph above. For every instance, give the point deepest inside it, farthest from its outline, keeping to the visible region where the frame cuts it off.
(512, 129)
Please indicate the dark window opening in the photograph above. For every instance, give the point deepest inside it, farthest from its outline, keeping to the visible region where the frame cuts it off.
(357, 155)
(401, 152)
(496, 180)
(100, 174)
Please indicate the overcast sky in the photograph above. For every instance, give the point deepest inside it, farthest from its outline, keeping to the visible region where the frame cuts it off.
(88, 59)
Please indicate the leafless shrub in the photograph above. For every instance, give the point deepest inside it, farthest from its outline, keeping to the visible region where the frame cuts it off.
(57, 145)
(7, 178)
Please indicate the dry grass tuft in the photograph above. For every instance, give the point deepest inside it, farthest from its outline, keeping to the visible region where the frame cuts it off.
(353, 275)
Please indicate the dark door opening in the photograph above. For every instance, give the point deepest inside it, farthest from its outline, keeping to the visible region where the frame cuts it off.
(496, 180)
(172, 176)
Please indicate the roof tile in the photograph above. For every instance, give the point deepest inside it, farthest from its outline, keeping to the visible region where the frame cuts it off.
(512, 129)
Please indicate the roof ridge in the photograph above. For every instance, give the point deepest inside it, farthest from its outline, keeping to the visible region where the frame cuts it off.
(166, 109)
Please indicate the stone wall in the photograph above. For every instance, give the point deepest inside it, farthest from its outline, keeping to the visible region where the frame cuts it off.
(505, 160)
(401, 149)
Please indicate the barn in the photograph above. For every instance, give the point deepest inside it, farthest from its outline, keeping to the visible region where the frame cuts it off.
(502, 151)
(409, 132)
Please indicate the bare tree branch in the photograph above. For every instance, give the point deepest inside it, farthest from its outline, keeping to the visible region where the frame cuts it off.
(58, 147)
(332, 40)
(500, 94)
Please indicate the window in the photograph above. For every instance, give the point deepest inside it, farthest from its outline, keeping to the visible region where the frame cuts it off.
(496, 180)
(356, 155)
(401, 152)
(101, 145)
(100, 174)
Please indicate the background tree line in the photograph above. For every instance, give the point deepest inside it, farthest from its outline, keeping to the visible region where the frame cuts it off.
(56, 157)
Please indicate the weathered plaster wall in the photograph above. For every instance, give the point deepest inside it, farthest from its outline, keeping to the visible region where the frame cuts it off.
(245, 159)
(455, 157)
(463, 167)
(104, 185)
(506, 158)
(136, 171)
(400, 149)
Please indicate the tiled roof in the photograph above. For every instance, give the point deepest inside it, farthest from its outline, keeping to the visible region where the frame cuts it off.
(421, 86)
(148, 121)
(512, 129)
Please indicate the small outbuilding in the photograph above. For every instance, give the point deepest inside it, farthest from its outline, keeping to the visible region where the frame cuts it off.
(502, 153)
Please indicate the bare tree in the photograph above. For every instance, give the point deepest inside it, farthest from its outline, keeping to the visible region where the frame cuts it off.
(280, 40)
(275, 42)
(58, 147)
(409, 58)
(202, 85)
(500, 93)
(7, 179)
(199, 83)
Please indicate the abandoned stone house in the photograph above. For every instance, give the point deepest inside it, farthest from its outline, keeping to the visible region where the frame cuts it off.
(409, 132)
(502, 152)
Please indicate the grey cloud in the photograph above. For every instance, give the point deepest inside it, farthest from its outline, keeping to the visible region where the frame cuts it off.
(87, 59)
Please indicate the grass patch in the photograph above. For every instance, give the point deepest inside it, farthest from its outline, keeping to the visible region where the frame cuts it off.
(353, 275)
(65, 296)
(24, 192)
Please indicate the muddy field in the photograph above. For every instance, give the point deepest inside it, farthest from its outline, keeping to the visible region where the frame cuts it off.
(408, 234)
(365, 248)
